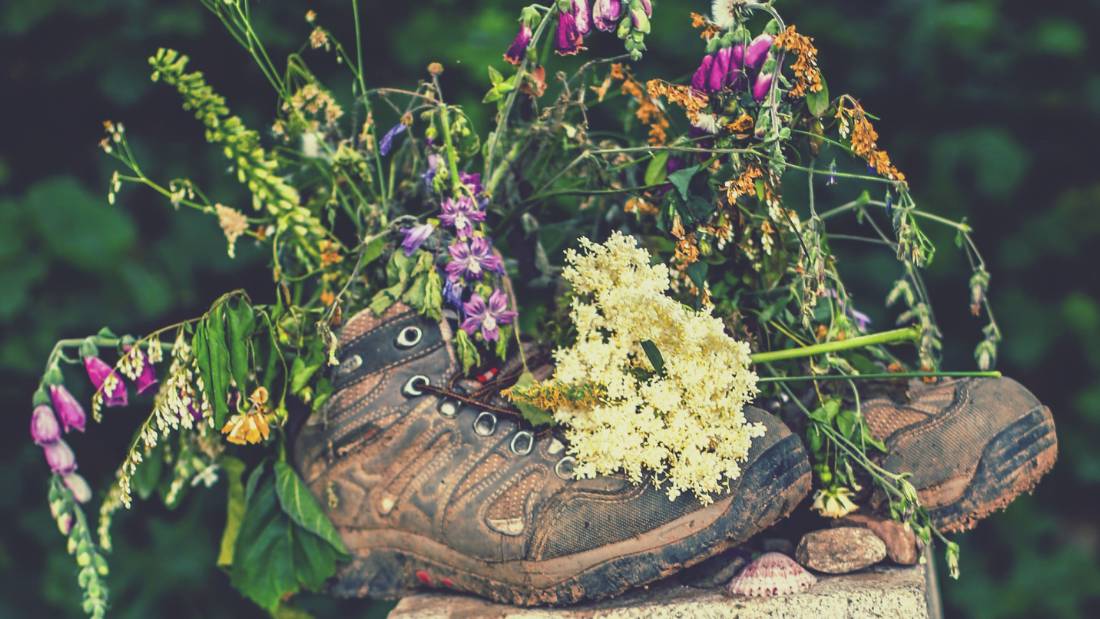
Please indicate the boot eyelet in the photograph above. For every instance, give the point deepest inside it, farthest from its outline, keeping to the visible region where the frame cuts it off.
(564, 467)
(414, 386)
(486, 427)
(349, 365)
(408, 337)
(522, 443)
(449, 408)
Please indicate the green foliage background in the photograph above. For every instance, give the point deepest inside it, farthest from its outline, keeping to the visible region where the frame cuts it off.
(992, 107)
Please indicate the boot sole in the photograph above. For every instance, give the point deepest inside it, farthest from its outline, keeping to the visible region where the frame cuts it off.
(769, 490)
(1011, 464)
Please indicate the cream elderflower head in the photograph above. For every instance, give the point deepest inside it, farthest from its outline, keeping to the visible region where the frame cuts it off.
(682, 425)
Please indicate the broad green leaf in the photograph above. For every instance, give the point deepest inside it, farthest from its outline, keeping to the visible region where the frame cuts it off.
(372, 248)
(494, 76)
(303, 509)
(306, 365)
(680, 179)
(241, 322)
(504, 338)
(433, 296)
(818, 102)
(234, 509)
(847, 422)
(654, 355)
(657, 170)
(274, 557)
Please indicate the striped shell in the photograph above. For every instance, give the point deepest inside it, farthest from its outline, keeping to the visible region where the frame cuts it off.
(770, 574)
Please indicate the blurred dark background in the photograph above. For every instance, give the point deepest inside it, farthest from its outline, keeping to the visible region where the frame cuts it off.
(992, 108)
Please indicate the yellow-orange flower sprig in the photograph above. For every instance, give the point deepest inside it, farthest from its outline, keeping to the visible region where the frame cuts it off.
(807, 76)
(648, 111)
(708, 29)
(249, 428)
(855, 125)
(692, 101)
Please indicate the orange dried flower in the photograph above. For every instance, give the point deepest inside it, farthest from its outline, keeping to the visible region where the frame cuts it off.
(743, 185)
(855, 125)
(686, 97)
(648, 111)
(709, 29)
(807, 76)
(638, 204)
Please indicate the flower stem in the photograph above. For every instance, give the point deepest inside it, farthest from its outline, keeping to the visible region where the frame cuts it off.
(907, 334)
(879, 376)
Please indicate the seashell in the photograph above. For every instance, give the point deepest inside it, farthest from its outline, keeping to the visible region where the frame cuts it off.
(770, 574)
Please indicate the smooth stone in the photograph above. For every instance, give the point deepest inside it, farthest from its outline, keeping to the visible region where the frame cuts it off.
(901, 542)
(840, 550)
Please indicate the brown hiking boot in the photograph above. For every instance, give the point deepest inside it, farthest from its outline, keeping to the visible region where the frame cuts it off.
(431, 486)
(973, 445)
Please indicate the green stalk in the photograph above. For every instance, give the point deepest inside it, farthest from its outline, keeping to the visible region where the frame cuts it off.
(878, 376)
(907, 334)
(452, 156)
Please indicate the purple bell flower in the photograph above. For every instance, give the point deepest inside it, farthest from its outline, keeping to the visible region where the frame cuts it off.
(44, 427)
(701, 78)
(452, 294)
(98, 371)
(518, 49)
(758, 51)
(60, 457)
(461, 214)
(582, 16)
(76, 484)
(606, 14)
(568, 40)
(68, 409)
(385, 145)
(415, 237)
(487, 317)
(472, 259)
(761, 86)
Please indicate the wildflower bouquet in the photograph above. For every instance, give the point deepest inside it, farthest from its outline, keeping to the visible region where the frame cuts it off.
(381, 194)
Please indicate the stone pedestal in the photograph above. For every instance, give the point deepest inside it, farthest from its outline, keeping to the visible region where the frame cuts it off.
(894, 592)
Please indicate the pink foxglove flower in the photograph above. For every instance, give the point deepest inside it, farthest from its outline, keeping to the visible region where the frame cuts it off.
(487, 317)
(68, 409)
(44, 427)
(606, 14)
(472, 259)
(760, 86)
(60, 457)
(98, 373)
(568, 40)
(78, 486)
(701, 78)
(582, 15)
(758, 51)
(518, 49)
(461, 214)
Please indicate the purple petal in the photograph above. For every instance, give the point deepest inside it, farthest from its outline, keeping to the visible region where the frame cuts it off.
(760, 86)
(582, 16)
(568, 39)
(758, 51)
(44, 426)
(148, 376)
(518, 49)
(606, 14)
(68, 409)
(415, 237)
(699, 79)
(719, 70)
(60, 457)
(98, 371)
(470, 325)
(386, 144)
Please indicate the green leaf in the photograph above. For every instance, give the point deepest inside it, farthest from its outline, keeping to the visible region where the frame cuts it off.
(303, 509)
(202, 358)
(680, 179)
(372, 248)
(241, 322)
(274, 557)
(654, 355)
(218, 388)
(234, 509)
(818, 102)
(467, 352)
(657, 170)
(697, 272)
(148, 473)
(847, 422)
(306, 365)
(503, 340)
(494, 76)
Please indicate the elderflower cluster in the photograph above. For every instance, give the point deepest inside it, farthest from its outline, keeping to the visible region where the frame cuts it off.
(681, 424)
